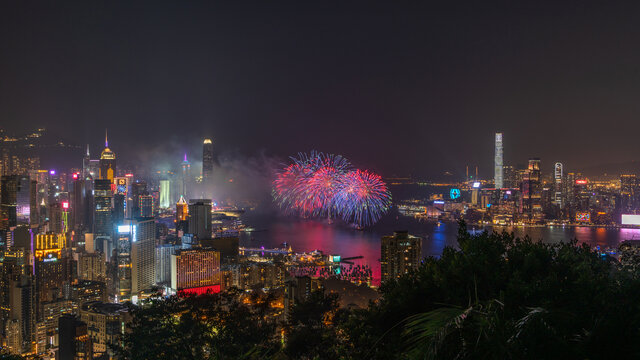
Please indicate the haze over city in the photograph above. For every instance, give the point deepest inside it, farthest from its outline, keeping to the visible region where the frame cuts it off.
(299, 180)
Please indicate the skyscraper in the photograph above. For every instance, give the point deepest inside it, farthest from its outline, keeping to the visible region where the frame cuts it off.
(200, 218)
(498, 162)
(135, 258)
(186, 176)
(532, 192)
(557, 179)
(102, 220)
(107, 162)
(399, 253)
(207, 160)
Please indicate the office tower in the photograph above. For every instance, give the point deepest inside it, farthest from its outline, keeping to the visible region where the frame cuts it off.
(143, 251)
(182, 210)
(82, 205)
(531, 206)
(47, 327)
(75, 342)
(20, 329)
(91, 267)
(86, 166)
(186, 177)
(207, 160)
(200, 218)
(557, 182)
(119, 208)
(135, 258)
(15, 201)
(146, 206)
(49, 269)
(106, 323)
(165, 194)
(55, 218)
(227, 244)
(629, 193)
(102, 220)
(399, 254)
(196, 271)
(163, 263)
(85, 291)
(138, 189)
(498, 163)
(107, 162)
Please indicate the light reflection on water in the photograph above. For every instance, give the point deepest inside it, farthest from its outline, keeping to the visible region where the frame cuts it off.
(339, 239)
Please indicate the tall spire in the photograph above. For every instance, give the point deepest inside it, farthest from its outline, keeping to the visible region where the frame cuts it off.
(87, 150)
(106, 140)
(185, 157)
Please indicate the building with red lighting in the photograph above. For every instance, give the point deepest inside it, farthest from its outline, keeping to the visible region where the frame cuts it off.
(193, 270)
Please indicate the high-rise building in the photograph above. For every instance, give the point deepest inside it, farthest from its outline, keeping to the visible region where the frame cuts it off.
(91, 266)
(629, 192)
(82, 204)
(200, 218)
(102, 221)
(106, 323)
(186, 177)
(165, 194)
(163, 263)
(75, 342)
(86, 166)
(107, 162)
(498, 163)
(557, 182)
(399, 254)
(207, 160)
(196, 270)
(134, 263)
(16, 201)
(531, 206)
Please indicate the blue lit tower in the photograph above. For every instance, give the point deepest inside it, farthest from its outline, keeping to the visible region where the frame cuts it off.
(498, 178)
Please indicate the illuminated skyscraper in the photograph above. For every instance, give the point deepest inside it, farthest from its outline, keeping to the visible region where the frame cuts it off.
(186, 176)
(557, 177)
(207, 160)
(102, 221)
(165, 194)
(107, 162)
(17, 202)
(498, 162)
(135, 258)
(532, 193)
(86, 165)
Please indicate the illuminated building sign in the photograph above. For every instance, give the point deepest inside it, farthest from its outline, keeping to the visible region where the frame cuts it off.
(336, 258)
(213, 289)
(123, 229)
(628, 219)
(65, 204)
(438, 202)
(454, 194)
(581, 182)
(75, 176)
(583, 217)
(476, 184)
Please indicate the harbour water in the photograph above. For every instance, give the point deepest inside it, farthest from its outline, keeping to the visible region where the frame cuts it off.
(273, 231)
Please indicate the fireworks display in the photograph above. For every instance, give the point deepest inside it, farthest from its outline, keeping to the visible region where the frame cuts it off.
(326, 185)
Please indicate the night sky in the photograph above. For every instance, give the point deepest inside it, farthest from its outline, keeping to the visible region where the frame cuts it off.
(396, 88)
